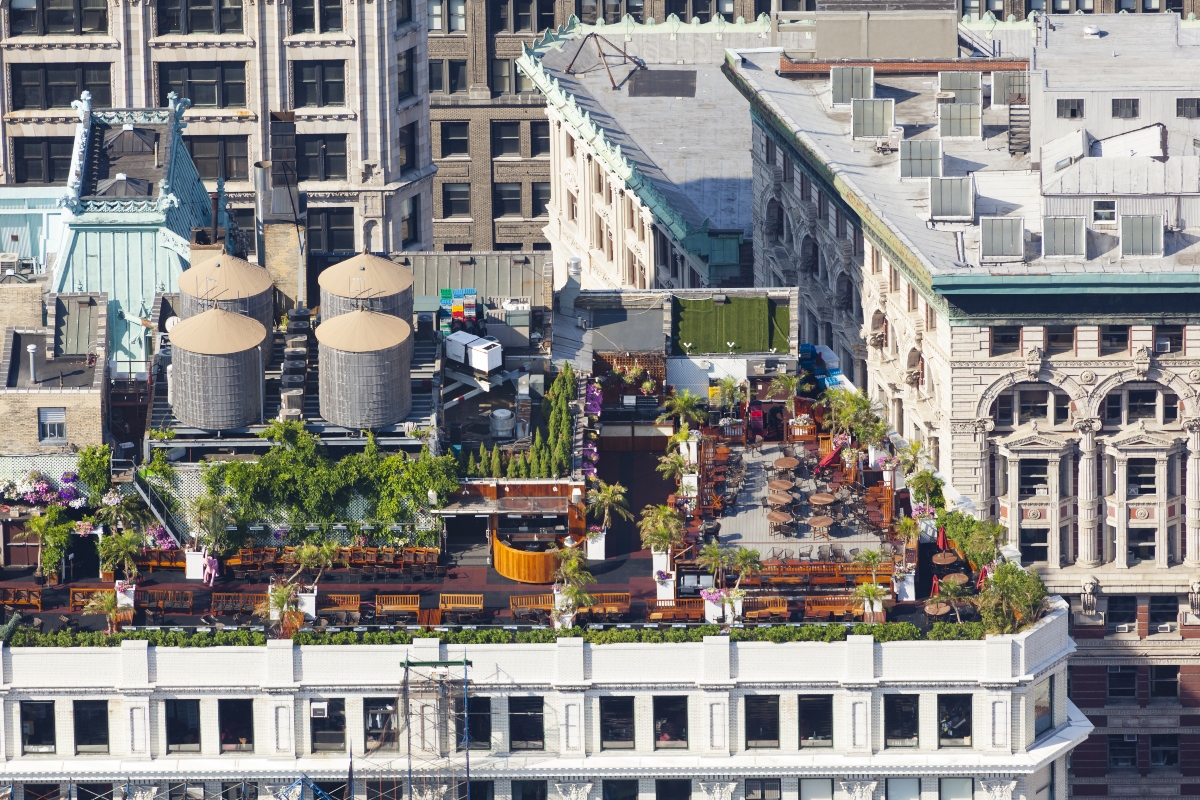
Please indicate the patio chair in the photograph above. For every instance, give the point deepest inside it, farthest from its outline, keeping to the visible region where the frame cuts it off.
(786, 555)
(804, 553)
(823, 552)
(853, 553)
(887, 549)
(838, 553)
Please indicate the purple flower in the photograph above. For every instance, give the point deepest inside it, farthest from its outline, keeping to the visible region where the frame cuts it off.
(70, 477)
(68, 493)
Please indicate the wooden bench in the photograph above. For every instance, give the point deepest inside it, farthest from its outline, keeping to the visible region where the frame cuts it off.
(827, 606)
(611, 606)
(81, 597)
(164, 599)
(682, 609)
(397, 605)
(531, 607)
(162, 559)
(759, 608)
(236, 602)
(339, 602)
(22, 598)
(460, 602)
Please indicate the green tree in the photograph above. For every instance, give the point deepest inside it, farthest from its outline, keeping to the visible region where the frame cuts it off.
(953, 594)
(872, 560)
(95, 470)
(678, 437)
(785, 387)
(714, 558)
(730, 392)
(606, 501)
(1011, 599)
(514, 466)
(868, 594)
(685, 407)
(672, 466)
(472, 467)
(497, 466)
(745, 562)
(210, 518)
(314, 558)
(104, 603)
(119, 551)
(911, 457)
(661, 528)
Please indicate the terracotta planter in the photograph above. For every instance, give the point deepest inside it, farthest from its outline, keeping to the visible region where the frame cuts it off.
(108, 576)
(52, 579)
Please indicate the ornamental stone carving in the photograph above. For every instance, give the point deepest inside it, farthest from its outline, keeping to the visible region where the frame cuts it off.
(1087, 377)
(984, 425)
(429, 792)
(1141, 362)
(1194, 596)
(998, 789)
(573, 791)
(1087, 600)
(1034, 513)
(1141, 513)
(912, 377)
(877, 339)
(858, 790)
(717, 790)
(1033, 362)
(1194, 376)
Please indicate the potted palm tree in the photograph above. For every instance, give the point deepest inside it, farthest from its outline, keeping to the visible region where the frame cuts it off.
(785, 387)
(605, 503)
(672, 466)
(952, 594)
(661, 528)
(54, 537)
(683, 406)
(105, 603)
(119, 551)
(281, 598)
(745, 563)
(871, 596)
(571, 580)
(312, 558)
(872, 560)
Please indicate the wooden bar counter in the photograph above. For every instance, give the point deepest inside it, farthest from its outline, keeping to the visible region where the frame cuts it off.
(525, 566)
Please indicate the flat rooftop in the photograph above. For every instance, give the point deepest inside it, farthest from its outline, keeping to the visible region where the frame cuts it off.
(1003, 185)
(60, 372)
(1153, 53)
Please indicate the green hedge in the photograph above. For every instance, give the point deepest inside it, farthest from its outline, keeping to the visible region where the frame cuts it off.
(950, 631)
(28, 637)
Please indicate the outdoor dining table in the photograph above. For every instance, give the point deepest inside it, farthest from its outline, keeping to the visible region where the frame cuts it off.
(786, 462)
(779, 499)
(820, 526)
(778, 517)
(779, 485)
(957, 577)
(937, 609)
(946, 558)
(822, 499)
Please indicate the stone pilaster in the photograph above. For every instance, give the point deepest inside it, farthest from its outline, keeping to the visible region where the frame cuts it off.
(1088, 522)
(1193, 492)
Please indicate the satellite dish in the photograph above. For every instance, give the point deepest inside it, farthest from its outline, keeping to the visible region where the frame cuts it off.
(171, 323)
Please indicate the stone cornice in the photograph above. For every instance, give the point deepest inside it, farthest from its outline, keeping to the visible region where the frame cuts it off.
(201, 43)
(60, 43)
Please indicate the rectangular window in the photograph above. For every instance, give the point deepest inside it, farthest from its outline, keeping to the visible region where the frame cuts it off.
(407, 147)
(1060, 340)
(502, 76)
(525, 723)
(455, 139)
(457, 20)
(1122, 750)
(816, 789)
(436, 9)
(1035, 545)
(528, 790)
(816, 720)
(206, 84)
(1164, 608)
(670, 722)
(42, 160)
(1002, 411)
(506, 139)
(616, 722)
(1164, 750)
(762, 722)
(328, 721)
(220, 157)
(199, 16)
(1125, 108)
(41, 87)
(330, 230)
(436, 84)
(903, 789)
(1164, 682)
(1033, 407)
(954, 720)
(58, 17)
(183, 726)
(380, 724)
(410, 221)
(1006, 340)
(1122, 681)
(91, 726)
(506, 200)
(52, 425)
(321, 157)
(1141, 475)
(900, 720)
(956, 788)
(1043, 706)
(1070, 109)
(619, 790)
(456, 200)
(406, 74)
(1062, 413)
(456, 76)
(403, 12)
(541, 199)
(235, 721)
(1114, 339)
(539, 139)
(473, 724)
(1187, 107)
(1142, 404)
(1104, 211)
(763, 789)
(319, 83)
(673, 789)
(316, 16)
(37, 726)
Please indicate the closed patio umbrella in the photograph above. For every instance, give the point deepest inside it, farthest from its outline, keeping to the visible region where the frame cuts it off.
(942, 544)
(935, 586)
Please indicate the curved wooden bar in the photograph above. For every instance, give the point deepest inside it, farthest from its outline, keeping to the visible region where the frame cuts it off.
(522, 565)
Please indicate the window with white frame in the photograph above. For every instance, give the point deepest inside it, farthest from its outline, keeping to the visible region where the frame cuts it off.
(52, 425)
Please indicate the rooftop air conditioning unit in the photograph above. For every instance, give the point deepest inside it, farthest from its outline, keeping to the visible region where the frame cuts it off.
(9, 259)
(1166, 627)
(320, 710)
(944, 98)
(1126, 628)
(1162, 345)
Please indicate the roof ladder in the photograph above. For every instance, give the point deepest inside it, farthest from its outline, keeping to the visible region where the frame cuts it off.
(1018, 128)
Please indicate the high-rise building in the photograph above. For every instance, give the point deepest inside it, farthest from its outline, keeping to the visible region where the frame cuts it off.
(351, 76)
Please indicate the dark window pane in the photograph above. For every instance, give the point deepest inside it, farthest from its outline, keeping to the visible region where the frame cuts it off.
(900, 717)
(472, 722)
(455, 139)
(243, 218)
(410, 233)
(619, 789)
(816, 720)
(307, 93)
(91, 727)
(670, 722)
(541, 199)
(381, 725)
(435, 76)
(60, 16)
(206, 153)
(27, 88)
(200, 16)
(408, 147)
(673, 789)
(334, 89)
(539, 138)
(458, 76)
(170, 16)
(304, 16)
(506, 200)
(616, 725)
(328, 731)
(506, 139)
(762, 721)
(231, 16)
(331, 15)
(37, 726)
(405, 76)
(456, 200)
(23, 18)
(528, 790)
(525, 724)
(235, 722)
(954, 720)
(183, 726)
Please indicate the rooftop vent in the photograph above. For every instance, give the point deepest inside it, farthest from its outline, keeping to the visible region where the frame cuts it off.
(1001, 239)
(872, 118)
(1064, 236)
(851, 83)
(951, 199)
(943, 98)
(920, 158)
(121, 185)
(1091, 32)
(128, 140)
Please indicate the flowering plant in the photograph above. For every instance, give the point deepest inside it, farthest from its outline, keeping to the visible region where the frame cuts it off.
(841, 440)
(923, 511)
(159, 536)
(124, 586)
(593, 529)
(84, 528)
(111, 498)
(70, 477)
(659, 575)
(724, 596)
(884, 462)
(804, 419)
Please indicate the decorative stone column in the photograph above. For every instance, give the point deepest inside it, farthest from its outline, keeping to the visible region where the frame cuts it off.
(983, 426)
(1014, 501)
(1088, 524)
(1192, 531)
(1053, 517)
(1162, 546)
(1120, 490)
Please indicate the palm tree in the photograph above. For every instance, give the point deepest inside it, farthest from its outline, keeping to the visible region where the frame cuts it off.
(280, 597)
(684, 406)
(911, 457)
(715, 559)
(872, 560)
(104, 602)
(786, 386)
(729, 392)
(661, 528)
(1011, 600)
(679, 437)
(121, 550)
(608, 501)
(211, 516)
(745, 562)
(868, 594)
(573, 577)
(315, 558)
(953, 594)
(673, 466)
(129, 511)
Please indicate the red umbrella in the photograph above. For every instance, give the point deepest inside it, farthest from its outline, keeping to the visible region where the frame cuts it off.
(983, 573)
(935, 586)
(941, 538)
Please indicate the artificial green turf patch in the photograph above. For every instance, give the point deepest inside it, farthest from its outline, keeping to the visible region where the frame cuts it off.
(753, 324)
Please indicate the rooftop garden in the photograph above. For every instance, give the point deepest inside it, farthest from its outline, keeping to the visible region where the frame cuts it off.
(739, 325)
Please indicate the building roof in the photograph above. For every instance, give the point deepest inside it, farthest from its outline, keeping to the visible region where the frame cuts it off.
(1142, 51)
(225, 277)
(217, 332)
(489, 274)
(363, 331)
(946, 251)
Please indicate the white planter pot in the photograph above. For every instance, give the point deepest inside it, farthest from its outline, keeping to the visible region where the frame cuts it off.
(274, 614)
(665, 590)
(125, 599)
(877, 606)
(660, 561)
(595, 546)
(193, 569)
(928, 529)
(307, 602)
(905, 588)
(716, 612)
